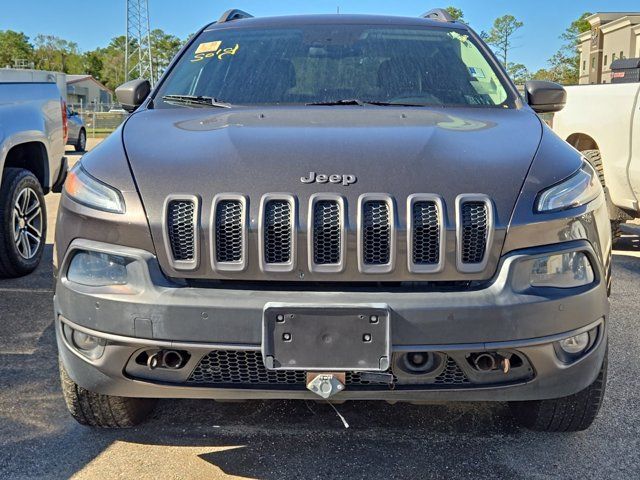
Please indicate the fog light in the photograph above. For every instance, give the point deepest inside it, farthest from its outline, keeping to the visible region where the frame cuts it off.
(566, 270)
(84, 341)
(97, 269)
(577, 344)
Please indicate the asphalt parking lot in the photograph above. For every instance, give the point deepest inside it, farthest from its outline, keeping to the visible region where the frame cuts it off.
(285, 439)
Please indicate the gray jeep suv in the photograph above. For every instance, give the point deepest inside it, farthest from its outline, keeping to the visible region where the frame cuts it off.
(334, 207)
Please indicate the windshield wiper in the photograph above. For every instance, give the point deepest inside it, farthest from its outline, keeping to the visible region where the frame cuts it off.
(395, 104)
(348, 101)
(362, 103)
(198, 100)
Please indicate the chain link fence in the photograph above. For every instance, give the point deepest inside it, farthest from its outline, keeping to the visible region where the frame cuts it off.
(101, 124)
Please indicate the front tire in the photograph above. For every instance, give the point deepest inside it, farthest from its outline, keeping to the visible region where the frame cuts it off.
(23, 223)
(103, 411)
(567, 414)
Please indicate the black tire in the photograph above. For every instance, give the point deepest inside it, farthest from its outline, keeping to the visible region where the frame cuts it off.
(81, 143)
(103, 411)
(567, 414)
(13, 263)
(595, 159)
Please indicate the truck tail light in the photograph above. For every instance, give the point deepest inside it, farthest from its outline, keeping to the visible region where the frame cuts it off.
(65, 120)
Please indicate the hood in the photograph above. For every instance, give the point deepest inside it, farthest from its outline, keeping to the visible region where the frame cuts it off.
(395, 150)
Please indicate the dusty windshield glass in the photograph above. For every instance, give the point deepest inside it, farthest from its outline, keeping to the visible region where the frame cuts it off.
(333, 63)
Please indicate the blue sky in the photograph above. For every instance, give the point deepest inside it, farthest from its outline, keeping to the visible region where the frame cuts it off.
(92, 23)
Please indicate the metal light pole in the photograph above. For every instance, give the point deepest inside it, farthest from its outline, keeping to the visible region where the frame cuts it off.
(138, 61)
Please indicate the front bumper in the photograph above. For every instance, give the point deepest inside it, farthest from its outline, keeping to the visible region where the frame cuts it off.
(155, 313)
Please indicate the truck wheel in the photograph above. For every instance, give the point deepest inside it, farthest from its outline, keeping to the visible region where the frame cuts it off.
(595, 159)
(567, 414)
(23, 223)
(81, 144)
(104, 411)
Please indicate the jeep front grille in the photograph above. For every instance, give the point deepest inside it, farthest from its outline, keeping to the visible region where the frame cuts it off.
(327, 232)
(474, 232)
(426, 233)
(329, 236)
(376, 233)
(229, 231)
(277, 231)
(181, 229)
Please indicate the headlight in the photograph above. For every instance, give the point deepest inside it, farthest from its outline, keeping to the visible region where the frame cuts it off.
(565, 270)
(97, 269)
(580, 188)
(84, 189)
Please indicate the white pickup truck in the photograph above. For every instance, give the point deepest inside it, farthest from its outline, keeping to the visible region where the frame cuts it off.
(33, 131)
(603, 122)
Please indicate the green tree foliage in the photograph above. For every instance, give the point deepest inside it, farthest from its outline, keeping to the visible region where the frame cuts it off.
(501, 36)
(105, 64)
(164, 47)
(56, 54)
(564, 65)
(14, 46)
(456, 13)
(518, 73)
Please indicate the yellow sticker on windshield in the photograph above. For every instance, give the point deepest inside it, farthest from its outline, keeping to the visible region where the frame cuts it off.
(213, 50)
(208, 47)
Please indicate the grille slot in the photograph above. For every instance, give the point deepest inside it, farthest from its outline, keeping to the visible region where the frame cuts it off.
(426, 233)
(246, 368)
(278, 232)
(475, 232)
(376, 233)
(229, 231)
(238, 367)
(181, 229)
(327, 232)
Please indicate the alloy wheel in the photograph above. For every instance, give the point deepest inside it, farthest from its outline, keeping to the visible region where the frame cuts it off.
(27, 223)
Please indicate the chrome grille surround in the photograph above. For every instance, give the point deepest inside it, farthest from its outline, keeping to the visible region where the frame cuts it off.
(229, 232)
(277, 232)
(426, 223)
(376, 233)
(327, 233)
(181, 231)
(331, 243)
(474, 232)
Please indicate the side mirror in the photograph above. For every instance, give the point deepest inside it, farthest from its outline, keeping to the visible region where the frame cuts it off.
(545, 97)
(132, 94)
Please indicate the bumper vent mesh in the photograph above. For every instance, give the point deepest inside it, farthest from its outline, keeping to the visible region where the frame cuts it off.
(474, 232)
(237, 367)
(181, 225)
(376, 233)
(326, 232)
(245, 367)
(426, 233)
(229, 231)
(277, 231)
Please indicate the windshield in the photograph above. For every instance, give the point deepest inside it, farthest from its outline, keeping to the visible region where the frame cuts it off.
(316, 64)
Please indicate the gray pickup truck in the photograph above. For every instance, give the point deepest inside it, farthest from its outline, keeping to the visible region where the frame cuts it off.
(334, 207)
(33, 126)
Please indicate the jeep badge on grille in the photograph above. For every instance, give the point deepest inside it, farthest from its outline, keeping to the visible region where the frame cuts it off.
(346, 180)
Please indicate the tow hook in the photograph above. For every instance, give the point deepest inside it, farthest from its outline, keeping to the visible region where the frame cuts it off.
(325, 384)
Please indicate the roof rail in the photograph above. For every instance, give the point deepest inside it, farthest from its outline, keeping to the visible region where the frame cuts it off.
(233, 14)
(439, 15)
